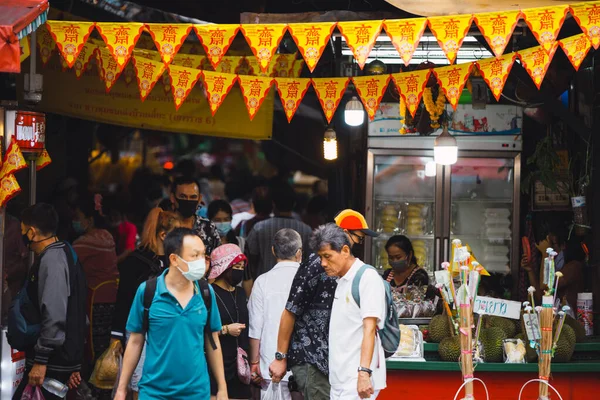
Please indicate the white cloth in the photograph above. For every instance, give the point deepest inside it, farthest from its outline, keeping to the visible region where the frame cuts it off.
(241, 217)
(349, 394)
(346, 330)
(267, 302)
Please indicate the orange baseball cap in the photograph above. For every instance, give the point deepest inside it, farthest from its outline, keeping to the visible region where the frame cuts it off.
(353, 221)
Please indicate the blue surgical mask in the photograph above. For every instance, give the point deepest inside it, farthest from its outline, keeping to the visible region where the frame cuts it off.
(78, 227)
(223, 227)
(196, 269)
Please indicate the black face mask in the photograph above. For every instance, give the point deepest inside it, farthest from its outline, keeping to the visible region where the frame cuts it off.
(399, 266)
(26, 240)
(187, 208)
(235, 276)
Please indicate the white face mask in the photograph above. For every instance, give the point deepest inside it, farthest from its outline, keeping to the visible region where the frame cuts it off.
(196, 269)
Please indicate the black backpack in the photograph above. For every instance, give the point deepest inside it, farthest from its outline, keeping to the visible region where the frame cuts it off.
(149, 292)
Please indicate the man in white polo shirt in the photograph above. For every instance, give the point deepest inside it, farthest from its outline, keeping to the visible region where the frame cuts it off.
(356, 358)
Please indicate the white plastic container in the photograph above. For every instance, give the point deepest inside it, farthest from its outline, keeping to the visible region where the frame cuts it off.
(585, 312)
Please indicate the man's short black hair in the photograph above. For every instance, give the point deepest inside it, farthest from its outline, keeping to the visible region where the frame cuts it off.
(183, 180)
(284, 198)
(174, 241)
(42, 216)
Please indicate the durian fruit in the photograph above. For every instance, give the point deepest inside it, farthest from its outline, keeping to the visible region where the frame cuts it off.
(449, 349)
(439, 328)
(568, 333)
(492, 340)
(507, 325)
(577, 328)
(564, 349)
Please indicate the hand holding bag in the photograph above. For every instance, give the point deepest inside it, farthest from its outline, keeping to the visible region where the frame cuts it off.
(274, 392)
(32, 393)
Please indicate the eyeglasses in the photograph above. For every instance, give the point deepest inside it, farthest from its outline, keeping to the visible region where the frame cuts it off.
(361, 239)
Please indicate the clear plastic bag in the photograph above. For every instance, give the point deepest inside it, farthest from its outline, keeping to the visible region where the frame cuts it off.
(106, 370)
(32, 393)
(274, 392)
(514, 351)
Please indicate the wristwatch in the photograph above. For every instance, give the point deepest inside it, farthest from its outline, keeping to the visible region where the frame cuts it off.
(367, 370)
(280, 356)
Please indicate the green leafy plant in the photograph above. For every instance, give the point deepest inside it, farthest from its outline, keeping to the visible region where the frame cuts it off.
(542, 166)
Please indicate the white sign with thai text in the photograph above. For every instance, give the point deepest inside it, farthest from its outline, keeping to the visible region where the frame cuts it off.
(497, 307)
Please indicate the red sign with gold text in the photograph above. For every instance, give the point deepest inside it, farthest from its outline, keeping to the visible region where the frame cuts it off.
(30, 131)
(405, 35)
(311, 40)
(291, 92)
(70, 36)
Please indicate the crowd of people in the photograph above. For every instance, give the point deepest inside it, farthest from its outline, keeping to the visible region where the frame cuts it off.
(225, 300)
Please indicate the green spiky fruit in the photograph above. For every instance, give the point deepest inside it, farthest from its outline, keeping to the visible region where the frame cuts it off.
(568, 333)
(449, 348)
(507, 325)
(564, 349)
(492, 340)
(577, 328)
(439, 328)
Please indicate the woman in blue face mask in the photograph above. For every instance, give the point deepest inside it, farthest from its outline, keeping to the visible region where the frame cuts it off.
(220, 214)
(405, 270)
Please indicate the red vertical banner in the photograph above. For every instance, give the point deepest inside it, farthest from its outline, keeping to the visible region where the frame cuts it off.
(311, 40)
(183, 81)
(497, 28)
(450, 33)
(587, 16)
(576, 48)
(264, 40)
(536, 61)
(120, 38)
(216, 40)
(70, 36)
(217, 86)
(147, 72)
(371, 89)
(495, 71)
(360, 37)
(168, 38)
(291, 92)
(330, 92)
(452, 80)
(405, 35)
(254, 90)
(411, 86)
(545, 24)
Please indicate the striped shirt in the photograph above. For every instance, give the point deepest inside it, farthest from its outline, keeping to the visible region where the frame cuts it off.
(260, 241)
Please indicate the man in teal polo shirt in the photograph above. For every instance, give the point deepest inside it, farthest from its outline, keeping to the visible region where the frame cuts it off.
(175, 366)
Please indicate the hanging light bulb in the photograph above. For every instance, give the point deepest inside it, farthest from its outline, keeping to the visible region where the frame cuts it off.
(330, 145)
(445, 148)
(354, 115)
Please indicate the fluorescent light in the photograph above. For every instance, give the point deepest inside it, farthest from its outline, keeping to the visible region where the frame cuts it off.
(330, 145)
(354, 114)
(445, 148)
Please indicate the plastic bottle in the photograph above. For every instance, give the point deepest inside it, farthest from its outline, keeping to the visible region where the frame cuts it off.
(55, 387)
(584, 312)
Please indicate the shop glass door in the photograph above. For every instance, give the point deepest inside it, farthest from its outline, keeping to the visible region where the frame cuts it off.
(482, 209)
(403, 203)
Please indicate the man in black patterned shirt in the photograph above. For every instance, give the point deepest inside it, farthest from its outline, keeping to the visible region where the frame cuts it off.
(304, 328)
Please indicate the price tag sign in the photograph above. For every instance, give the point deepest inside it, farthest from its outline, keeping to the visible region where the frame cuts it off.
(497, 307)
(532, 326)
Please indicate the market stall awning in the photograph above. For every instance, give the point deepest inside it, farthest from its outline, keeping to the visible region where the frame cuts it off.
(18, 18)
(430, 8)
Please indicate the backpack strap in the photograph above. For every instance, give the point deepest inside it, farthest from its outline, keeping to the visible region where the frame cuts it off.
(356, 283)
(149, 291)
(205, 291)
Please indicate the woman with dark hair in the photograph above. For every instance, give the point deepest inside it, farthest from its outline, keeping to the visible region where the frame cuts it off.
(220, 213)
(405, 271)
(96, 251)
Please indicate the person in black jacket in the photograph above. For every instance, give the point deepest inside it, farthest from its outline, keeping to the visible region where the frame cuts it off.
(57, 289)
(142, 264)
